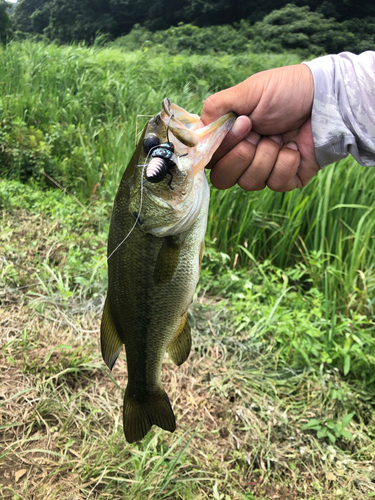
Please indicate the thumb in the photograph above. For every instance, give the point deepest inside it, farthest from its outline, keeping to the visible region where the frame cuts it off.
(241, 99)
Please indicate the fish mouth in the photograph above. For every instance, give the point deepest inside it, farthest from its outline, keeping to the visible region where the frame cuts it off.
(186, 128)
(179, 115)
(180, 123)
(189, 137)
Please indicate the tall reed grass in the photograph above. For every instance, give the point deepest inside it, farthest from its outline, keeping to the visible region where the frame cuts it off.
(326, 228)
(71, 112)
(83, 102)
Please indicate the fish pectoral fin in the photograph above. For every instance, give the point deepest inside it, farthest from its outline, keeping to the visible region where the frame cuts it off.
(179, 348)
(109, 338)
(141, 413)
(167, 260)
(201, 252)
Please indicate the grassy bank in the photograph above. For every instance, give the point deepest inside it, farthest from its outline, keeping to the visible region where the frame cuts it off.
(262, 412)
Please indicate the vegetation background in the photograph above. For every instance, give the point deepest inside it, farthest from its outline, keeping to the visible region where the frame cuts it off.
(281, 377)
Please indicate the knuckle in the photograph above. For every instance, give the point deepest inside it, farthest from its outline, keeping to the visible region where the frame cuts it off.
(210, 106)
(244, 184)
(278, 187)
(288, 157)
(244, 154)
(283, 177)
(280, 182)
(249, 184)
(268, 151)
(220, 181)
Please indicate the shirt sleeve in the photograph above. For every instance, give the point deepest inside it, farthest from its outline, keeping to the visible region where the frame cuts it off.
(343, 114)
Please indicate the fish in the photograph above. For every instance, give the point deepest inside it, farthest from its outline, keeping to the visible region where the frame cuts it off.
(155, 250)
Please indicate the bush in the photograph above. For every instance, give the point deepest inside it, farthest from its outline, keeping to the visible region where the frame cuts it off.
(61, 152)
(186, 38)
(72, 111)
(360, 34)
(24, 151)
(290, 28)
(297, 28)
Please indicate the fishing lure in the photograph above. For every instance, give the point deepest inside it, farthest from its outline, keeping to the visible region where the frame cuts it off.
(163, 159)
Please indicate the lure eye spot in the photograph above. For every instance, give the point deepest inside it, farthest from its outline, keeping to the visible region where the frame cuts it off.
(150, 142)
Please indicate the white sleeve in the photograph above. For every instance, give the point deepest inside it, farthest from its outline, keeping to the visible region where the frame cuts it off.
(343, 114)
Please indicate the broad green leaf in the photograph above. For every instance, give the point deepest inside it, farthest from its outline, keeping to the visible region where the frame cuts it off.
(331, 437)
(311, 424)
(346, 364)
(347, 419)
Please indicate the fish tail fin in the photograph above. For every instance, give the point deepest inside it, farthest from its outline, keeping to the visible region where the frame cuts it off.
(140, 414)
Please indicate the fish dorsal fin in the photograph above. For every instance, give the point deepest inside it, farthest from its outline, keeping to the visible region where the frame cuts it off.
(167, 260)
(109, 338)
(179, 348)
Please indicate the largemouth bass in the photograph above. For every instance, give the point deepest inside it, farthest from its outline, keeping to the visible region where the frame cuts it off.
(155, 249)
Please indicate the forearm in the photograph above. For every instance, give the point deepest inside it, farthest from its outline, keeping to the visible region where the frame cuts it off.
(343, 115)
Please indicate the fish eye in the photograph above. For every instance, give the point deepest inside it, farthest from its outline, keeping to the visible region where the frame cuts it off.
(150, 142)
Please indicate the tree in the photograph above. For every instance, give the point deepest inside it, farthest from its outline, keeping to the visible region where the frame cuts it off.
(31, 16)
(64, 20)
(298, 28)
(5, 23)
(78, 20)
(340, 10)
(311, 25)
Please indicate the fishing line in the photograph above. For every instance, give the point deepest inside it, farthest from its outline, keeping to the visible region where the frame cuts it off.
(115, 250)
(137, 218)
(126, 237)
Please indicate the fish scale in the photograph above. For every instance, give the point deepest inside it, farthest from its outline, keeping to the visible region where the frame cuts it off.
(154, 265)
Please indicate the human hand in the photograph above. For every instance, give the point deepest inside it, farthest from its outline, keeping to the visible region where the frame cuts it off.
(271, 142)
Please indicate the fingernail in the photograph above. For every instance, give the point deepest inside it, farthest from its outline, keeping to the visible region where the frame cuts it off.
(253, 137)
(292, 145)
(276, 138)
(241, 126)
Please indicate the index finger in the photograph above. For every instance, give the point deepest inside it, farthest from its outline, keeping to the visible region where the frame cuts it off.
(241, 99)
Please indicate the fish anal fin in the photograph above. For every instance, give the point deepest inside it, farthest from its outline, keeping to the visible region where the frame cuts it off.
(179, 348)
(109, 338)
(141, 413)
(167, 260)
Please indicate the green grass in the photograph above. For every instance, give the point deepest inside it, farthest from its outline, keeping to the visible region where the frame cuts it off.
(326, 228)
(276, 400)
(71, 111)
(264, 408)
